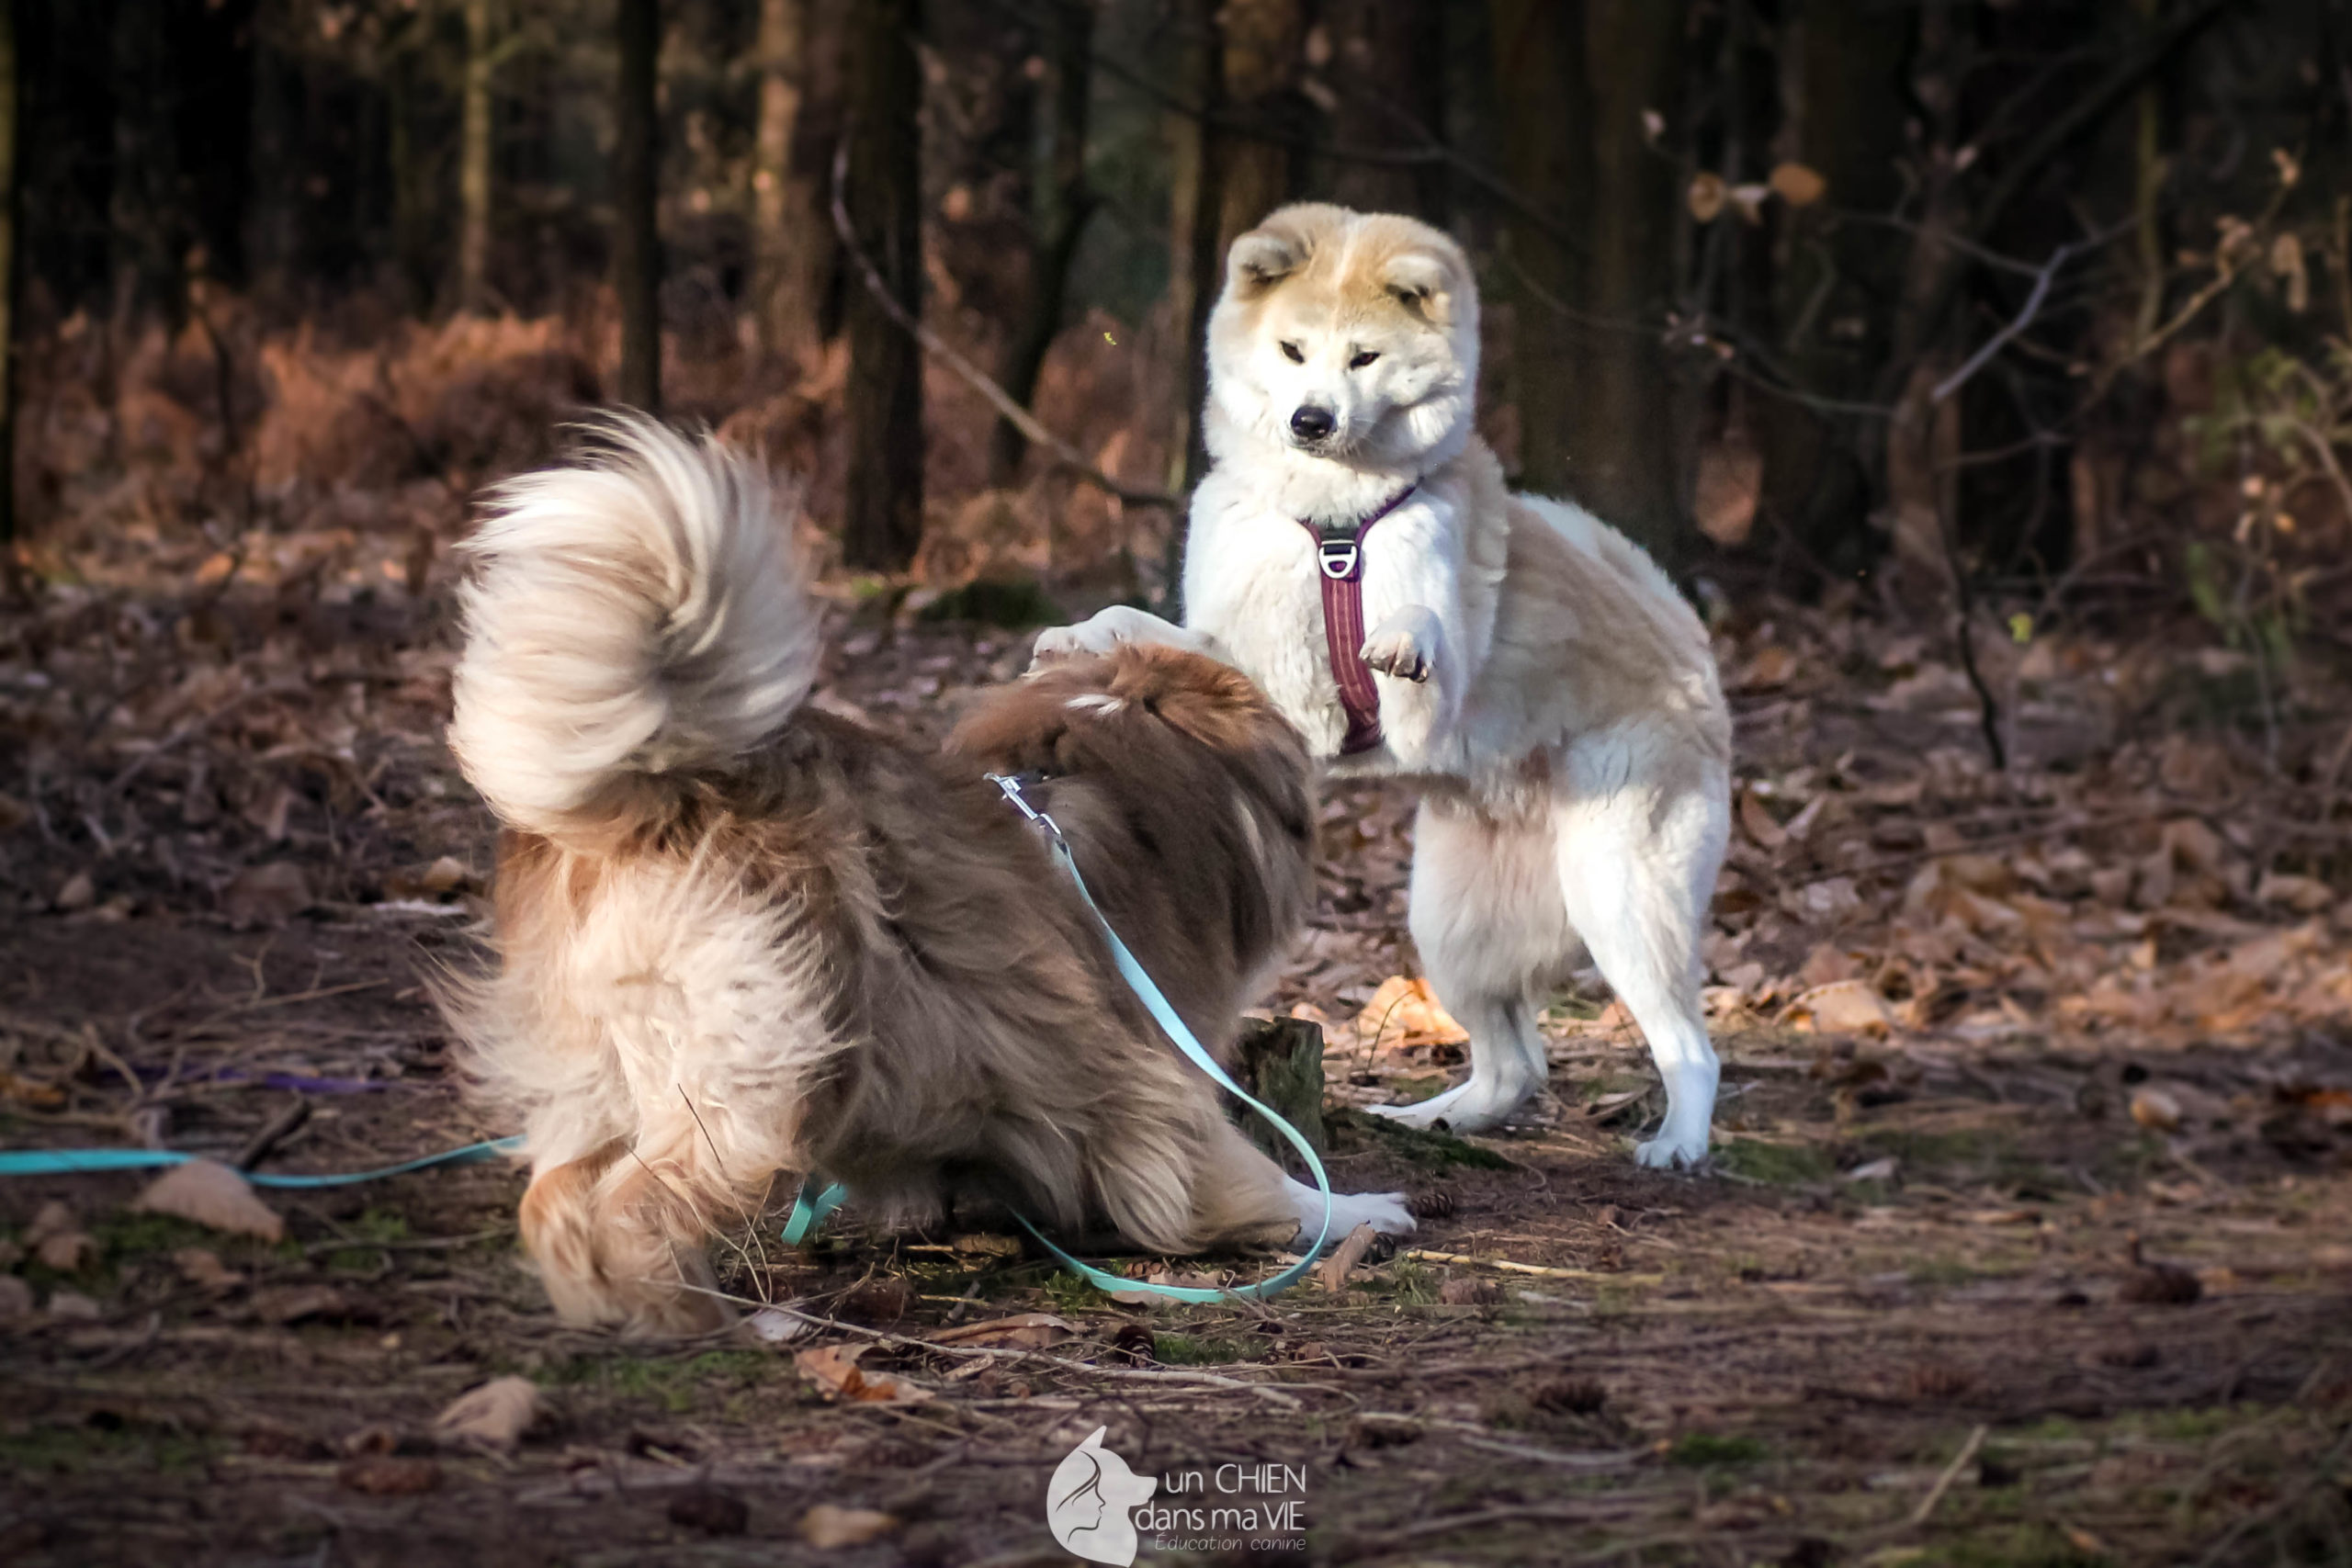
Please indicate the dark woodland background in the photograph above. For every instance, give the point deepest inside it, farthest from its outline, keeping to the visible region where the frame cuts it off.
(1968, 309)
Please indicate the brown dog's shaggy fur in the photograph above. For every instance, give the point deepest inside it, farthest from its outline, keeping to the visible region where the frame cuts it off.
(748, 937)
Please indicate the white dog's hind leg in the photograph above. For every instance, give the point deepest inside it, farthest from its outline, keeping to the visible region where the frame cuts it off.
(1487, 919)
(1636, 874)
(1106, 629)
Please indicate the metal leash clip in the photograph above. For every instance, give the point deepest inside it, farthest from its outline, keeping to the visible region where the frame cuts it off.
(1012, 788)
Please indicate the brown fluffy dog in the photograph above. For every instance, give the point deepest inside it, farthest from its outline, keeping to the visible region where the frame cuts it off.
(741, 936)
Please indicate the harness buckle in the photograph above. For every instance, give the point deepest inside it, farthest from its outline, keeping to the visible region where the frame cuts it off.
(1339, 557)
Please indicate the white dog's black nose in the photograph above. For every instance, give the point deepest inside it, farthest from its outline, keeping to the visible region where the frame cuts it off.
(1311, 424)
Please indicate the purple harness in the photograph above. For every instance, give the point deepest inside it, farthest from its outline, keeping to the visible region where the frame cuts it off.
(1338, 553)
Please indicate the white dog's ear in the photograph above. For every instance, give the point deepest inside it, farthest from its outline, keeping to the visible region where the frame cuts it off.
(1262, 258)
(1422, 283)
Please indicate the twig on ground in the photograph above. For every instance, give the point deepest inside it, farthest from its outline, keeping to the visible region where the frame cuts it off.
(274, 1132)
(190, 729)
(883, 1337)
(1541, 1270)
(1951, 1472)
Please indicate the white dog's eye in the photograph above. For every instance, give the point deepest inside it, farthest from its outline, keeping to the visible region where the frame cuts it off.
(1291, 350)
(1361, 360)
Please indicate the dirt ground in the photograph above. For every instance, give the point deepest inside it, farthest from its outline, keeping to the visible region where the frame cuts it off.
(2027, 1238)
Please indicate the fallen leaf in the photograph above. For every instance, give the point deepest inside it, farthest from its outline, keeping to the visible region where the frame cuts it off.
(1023, 1331)
(389, 1475)
(1846, 1007)
(446, 875)
(834, 1369)
(79, 892)
(494, 1415)
(202, 1268)
(982, 1244)
(1465, 1290)
(293, 1303)
(1729, 483)
(1705, 195)
(1754, 816)
(213, 1196)
(2153, 1108)
(2304, 895)
(1876, 1170)
(1405, 1011)
(31, 1092)
(1798, 184)
(57, 1240)
(73, 1306)
(265, 895)
(827, 1526)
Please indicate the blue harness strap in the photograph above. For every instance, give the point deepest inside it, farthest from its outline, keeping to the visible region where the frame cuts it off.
(75, 1162)
(807, 1212)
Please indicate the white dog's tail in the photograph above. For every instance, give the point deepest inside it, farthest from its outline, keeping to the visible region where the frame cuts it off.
(635, 615)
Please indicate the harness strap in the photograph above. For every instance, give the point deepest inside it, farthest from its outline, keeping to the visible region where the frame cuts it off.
(1339, 557)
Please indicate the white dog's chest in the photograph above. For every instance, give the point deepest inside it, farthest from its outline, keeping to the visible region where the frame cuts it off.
(1256, 585)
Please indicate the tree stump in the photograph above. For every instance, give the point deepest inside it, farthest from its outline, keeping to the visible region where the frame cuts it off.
(1280, 1061)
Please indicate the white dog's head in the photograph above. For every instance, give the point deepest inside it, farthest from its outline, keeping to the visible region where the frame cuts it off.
(1348, 335)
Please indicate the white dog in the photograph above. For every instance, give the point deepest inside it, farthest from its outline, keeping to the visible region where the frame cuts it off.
(1530, 667)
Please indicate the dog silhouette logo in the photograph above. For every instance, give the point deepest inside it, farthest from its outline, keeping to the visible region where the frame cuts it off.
(1088, 1501)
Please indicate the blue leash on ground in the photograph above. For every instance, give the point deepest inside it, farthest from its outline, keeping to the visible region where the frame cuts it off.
(75, 1162)
(807, 1212)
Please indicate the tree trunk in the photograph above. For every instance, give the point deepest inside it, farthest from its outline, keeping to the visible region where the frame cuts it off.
(1831, 315)
(882, 524)
(149, 218)
(1595, 392)
(1250, 73)
(11, 119)
(637, 240)
(784, 305)
(411, 172)
(1539, 53)
(1059, 204)
(1264, 47)
(474, 129)
(1388, 68)
(1622, 402)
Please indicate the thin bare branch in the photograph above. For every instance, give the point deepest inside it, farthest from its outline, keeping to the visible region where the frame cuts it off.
(1021, 419)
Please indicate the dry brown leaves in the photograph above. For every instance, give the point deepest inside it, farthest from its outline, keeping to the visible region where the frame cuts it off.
(213, 1196)
(834, 1370)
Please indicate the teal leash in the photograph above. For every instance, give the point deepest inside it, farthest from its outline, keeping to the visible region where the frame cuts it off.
(807, 1212)
(76, 1162)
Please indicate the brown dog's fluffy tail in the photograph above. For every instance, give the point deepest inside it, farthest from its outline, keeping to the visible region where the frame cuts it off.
(636, 615)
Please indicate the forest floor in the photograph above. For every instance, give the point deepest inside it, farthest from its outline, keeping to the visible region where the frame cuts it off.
(2027, 1238)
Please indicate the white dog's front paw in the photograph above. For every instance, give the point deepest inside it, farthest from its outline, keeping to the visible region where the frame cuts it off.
(1403, 645)
(1476, 1106)
(1672, 1152)
(1105, 631)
